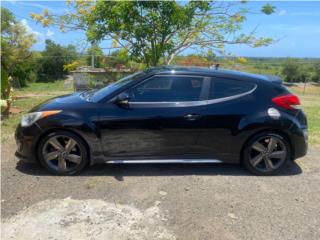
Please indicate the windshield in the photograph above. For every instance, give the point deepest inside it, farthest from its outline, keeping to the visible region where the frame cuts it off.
(97, 95)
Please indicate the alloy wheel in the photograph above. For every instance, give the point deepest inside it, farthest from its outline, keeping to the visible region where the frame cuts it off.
(62, 153)
(267, 153)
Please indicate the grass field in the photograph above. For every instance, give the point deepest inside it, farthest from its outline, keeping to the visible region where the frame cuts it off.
(310, 101)
(29, 97)
(37, 93)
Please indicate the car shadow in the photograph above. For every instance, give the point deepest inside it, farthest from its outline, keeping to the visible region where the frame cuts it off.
(120, 170)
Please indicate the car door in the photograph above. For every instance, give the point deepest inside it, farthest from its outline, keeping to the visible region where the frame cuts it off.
(229, 102)
(163, 118)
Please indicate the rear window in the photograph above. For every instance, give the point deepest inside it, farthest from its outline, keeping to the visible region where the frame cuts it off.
(221, 88)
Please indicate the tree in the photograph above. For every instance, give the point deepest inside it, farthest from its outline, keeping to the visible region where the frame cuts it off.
(316, 71)
(26, 71)
(210, 56)
(290, 70)
(192, 60)
(154, 32)
(54, 57)
(16, 42)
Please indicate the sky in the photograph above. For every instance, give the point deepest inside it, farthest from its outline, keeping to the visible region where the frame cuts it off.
(295, 26)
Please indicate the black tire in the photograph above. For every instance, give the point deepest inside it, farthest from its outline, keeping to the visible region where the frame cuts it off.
(249, 157)
(79, 149)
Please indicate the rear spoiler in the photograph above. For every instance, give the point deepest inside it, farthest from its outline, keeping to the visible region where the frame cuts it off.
(273, 79)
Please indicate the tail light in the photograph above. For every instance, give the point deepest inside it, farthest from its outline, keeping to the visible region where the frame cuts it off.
(288, 101)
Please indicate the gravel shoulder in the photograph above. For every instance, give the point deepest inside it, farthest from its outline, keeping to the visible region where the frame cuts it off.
(167, 201)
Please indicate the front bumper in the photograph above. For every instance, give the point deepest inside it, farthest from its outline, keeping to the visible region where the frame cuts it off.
(26, 139)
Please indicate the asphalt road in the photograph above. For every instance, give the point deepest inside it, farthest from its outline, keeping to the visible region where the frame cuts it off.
(167, 201)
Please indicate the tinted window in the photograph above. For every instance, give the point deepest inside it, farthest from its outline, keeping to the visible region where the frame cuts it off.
(103, 92)
(168, 89)
(221, 88)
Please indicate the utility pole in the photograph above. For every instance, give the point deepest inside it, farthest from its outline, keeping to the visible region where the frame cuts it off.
(92, 59)
(93, 45)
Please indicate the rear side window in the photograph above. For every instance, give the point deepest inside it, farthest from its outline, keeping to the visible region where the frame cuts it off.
(168, 89)
(221, 88)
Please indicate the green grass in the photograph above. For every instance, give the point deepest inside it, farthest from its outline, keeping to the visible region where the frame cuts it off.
(37, 93)
(52, 88)
(310, 101)
(26, 99)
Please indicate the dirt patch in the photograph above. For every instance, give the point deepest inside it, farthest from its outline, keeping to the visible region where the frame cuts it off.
(14, 110)
(84, 219)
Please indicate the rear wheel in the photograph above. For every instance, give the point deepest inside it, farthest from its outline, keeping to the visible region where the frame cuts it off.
(63, 153)
(266, 154)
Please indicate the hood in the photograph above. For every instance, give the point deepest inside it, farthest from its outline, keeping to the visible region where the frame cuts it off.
(62, 102)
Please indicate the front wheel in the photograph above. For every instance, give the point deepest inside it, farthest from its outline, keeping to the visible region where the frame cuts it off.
(63, 153)
(266, 154)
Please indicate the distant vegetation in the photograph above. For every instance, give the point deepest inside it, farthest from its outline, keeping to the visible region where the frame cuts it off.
(291, 70)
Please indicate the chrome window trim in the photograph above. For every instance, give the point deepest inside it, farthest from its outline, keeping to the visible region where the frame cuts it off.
(195, 103)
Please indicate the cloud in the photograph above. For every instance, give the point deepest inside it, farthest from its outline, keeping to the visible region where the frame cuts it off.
(302, 13)
(20, 3)
(282, 12)
(37, 5)
(25, 23)
(49, 34)
(40, 36)
(307, 13)
(302, 29)
(13, 2)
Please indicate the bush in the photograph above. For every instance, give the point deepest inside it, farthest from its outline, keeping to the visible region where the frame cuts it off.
(316, 73)
(292, 71)
(54, 58)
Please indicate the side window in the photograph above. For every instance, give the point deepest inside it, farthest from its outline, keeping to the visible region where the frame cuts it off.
(168, 89)
(221, 88)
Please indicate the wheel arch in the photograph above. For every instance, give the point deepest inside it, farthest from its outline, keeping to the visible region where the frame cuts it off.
(269, 130)
(52, 130)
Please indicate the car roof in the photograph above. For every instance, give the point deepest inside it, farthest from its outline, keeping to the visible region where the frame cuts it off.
(215, 72)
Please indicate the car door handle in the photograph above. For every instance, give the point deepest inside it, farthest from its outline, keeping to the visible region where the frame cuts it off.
(192, 116)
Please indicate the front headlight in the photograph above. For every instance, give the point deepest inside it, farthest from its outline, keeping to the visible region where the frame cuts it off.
(30, 118)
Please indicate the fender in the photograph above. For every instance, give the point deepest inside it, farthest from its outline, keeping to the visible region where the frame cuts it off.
(287, 125)
(83, 125)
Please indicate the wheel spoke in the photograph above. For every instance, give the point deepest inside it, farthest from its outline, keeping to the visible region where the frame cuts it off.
(256, 160)
(62, 165)
(55, 143)
(258, 147)
(272, 144)
(74, 158)
(51, 156)
(268, 163)
(70, 145)
(66, 152)
(277, 154)
(271, 154)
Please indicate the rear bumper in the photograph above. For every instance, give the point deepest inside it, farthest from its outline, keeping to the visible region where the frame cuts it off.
(299, 135)
(299, 141)
(26, 139)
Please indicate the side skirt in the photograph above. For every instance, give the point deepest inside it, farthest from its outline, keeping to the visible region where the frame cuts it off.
(166, 161)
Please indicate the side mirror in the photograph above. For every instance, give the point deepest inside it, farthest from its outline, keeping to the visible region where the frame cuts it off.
(123, 100)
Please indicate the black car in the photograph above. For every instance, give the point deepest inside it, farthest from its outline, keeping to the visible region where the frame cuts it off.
(169, 114)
